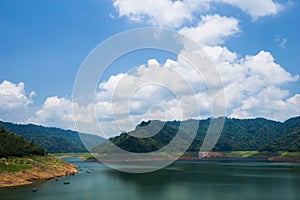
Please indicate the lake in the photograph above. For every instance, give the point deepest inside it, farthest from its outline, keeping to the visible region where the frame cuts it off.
(205, 179)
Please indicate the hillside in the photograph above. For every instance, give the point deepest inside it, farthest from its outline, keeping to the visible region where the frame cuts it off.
(289, 139)
(291, 125)
(237, 135)
(128, 142)
(24, 170)
(54, 140)
(289, 142)
(14, 145)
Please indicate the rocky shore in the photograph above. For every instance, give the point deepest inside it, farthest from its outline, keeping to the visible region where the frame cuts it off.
(38, 167)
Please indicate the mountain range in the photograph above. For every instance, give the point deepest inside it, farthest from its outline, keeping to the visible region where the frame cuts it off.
(237, 135)
(54, 140)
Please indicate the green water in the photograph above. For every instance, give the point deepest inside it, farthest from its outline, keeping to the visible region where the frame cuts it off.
(218, 179)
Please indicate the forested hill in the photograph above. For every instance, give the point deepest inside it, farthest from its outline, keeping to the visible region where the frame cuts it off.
(289, 139)
(54, 140)
(15, 145)
(237, 135)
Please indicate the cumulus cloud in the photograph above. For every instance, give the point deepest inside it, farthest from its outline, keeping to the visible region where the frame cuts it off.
(152, 91)
(256, 8)
(266, 103)
(58, 112)
(175, 13)
(212, 30)
(253, 85)
(15, 102)
(160, 12)
(54, 110)
(264, 66)
(13, 96)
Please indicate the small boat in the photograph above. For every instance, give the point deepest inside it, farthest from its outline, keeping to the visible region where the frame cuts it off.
(34, 190)
(67, 183)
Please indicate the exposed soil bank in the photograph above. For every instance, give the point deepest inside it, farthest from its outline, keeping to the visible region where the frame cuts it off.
(22, 171)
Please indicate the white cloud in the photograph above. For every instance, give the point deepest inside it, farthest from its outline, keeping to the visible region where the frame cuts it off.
(54, 112)
(175, 13)
(266, 103)
(151, 91)
(253, 85)
(15, 102)
(256, 8)
(55, 109)
(280, 41)
(58, 112)
(160, 12)
(220, 54)
(264, 66)
(212, 30)
(13, 96)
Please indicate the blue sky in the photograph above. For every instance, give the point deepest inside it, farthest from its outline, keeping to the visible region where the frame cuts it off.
(43, 44)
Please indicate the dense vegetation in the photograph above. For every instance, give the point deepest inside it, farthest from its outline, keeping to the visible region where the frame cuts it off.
(15, 145)
(289, 139)
(54, 140)
(131, 143)
(290, 142)
(237, 135)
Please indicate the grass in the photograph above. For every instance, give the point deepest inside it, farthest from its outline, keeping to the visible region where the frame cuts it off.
(65, 154)
(242, 153)
(253, 153)
(83, 156)
(13, 167)
(15, 164)
(87, 156)
(290, 154)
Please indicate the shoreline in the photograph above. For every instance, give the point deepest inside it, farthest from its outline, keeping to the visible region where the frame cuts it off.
(271, 159)
(206, 156)
(44, 168)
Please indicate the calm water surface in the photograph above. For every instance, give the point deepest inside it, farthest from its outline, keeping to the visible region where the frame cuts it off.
(214, 179)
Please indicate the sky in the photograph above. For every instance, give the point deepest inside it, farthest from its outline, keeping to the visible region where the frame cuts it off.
(253, 44)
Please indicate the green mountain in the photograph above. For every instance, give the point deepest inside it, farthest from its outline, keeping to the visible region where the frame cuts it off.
(237, 135)
(247, 134)
(54, 140)
(291, 125)
(129, 142)
(290, 142)
(15, 145)
(290, 138)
